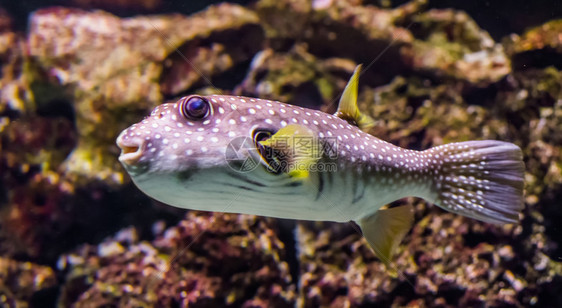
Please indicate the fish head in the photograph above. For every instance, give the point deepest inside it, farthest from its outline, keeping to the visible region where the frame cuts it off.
(197, 133)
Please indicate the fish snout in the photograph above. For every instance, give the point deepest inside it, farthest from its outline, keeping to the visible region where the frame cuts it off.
(131, 149)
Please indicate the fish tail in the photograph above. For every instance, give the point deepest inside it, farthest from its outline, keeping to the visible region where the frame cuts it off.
(479, 179)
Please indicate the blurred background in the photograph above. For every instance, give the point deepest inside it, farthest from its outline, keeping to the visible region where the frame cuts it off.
(75, 232)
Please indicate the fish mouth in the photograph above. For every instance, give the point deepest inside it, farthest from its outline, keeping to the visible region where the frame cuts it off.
(131, 150)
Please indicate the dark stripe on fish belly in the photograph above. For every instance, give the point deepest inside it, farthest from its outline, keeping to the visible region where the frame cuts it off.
(320, 185)
(235, 186)
(357, 197)
(245, 179)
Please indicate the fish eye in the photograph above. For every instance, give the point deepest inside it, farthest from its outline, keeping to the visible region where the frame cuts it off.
(195, 108)
(269, 155)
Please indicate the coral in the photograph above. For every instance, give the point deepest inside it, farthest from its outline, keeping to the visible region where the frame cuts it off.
(219, 260)
(21, 281)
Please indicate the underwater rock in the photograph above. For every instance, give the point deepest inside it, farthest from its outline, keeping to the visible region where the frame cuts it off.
(538, 47)
(14, 90)
(111, 87)
(296, 77)
(450, 44)
(21, 281)
(441, 43)
(218, 260)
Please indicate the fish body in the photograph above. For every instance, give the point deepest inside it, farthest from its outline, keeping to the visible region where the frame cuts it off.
(186, 166)
(253, 156)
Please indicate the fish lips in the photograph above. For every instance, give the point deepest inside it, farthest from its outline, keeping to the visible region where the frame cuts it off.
(131, 149)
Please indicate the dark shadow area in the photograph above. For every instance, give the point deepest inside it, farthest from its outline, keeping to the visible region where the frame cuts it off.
(537, 59)
(503, 17)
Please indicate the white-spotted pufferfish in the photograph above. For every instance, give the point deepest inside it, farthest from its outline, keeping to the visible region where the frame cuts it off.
(247, 155)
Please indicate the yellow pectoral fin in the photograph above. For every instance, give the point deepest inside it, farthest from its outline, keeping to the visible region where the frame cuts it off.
(385, 229)
(347, 107)
(297, 147)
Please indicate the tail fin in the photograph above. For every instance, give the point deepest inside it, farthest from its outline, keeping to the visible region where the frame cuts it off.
(480, 179)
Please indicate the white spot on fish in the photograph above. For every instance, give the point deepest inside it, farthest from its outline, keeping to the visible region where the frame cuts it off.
(232, 121)
(252, 111)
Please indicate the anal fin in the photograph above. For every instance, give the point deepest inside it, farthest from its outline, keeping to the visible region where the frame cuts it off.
(385, 229)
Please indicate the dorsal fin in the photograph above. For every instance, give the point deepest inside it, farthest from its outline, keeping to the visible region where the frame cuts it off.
(347, 107)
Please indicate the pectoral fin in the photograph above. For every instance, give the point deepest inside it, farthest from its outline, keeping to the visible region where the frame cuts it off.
(347, 107)
(294, 149)
(385, 229)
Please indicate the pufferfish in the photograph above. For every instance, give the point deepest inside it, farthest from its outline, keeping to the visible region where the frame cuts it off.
(246, 155)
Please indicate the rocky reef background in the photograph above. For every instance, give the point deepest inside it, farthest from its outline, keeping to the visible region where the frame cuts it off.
(75, 232)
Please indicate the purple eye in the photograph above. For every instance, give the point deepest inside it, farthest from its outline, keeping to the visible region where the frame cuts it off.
(196, 108)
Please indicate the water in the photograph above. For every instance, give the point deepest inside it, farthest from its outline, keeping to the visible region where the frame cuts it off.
(74, 230)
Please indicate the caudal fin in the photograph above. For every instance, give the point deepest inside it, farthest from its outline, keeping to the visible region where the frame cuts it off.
(480, 179)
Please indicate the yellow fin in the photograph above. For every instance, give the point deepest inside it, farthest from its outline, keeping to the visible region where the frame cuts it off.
(296, 149)
(347, 107)
(385, 229)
